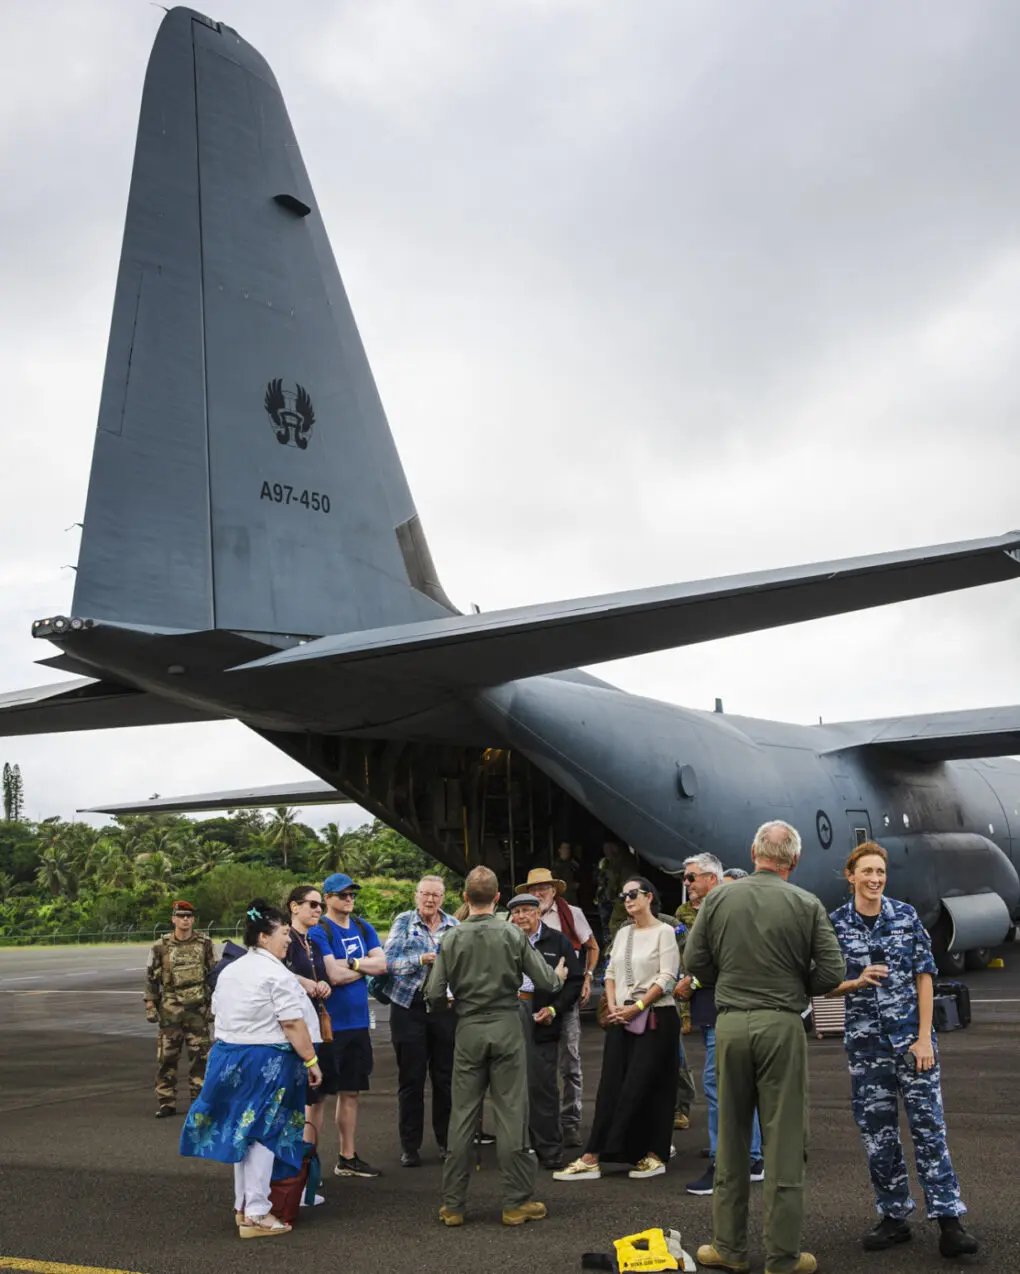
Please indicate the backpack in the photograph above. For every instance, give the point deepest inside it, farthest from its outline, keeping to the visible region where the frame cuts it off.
(378, 985)
(231, 952)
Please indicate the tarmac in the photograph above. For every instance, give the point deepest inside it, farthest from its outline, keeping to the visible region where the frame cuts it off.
(89, 1180)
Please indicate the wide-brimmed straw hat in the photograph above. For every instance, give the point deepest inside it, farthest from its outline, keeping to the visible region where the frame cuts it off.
(541, 876)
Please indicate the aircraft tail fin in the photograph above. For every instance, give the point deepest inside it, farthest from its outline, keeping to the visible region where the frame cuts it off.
(244, 476)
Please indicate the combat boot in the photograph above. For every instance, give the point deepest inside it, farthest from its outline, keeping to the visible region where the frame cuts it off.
(806, 1264)
(450, 1217)
(954, 1239)
(889, 1231)
(526, 1212)
(707, 1255)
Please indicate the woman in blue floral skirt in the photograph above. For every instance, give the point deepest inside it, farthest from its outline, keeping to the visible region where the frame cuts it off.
(252, 1104)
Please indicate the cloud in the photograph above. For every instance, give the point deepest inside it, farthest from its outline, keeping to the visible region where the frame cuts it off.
(651, 293)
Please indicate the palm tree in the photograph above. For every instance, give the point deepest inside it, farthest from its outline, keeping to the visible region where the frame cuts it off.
(204, 855)
(283, 832)
(54, 872)
(368, 860)
(114, 869)
(330, 853)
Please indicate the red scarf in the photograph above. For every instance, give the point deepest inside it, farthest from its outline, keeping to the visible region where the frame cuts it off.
(567, 922)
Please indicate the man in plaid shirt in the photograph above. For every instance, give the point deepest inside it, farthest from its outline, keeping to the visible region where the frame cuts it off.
(423, 1042)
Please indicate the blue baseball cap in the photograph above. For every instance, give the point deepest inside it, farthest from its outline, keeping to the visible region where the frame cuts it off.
(337, 883)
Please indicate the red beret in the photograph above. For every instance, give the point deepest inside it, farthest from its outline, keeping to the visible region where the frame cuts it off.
(183, 906)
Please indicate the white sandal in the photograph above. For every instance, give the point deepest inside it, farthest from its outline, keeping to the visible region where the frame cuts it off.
(262, 1227)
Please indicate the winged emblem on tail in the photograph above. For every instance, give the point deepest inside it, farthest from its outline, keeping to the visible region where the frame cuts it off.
(291, 413)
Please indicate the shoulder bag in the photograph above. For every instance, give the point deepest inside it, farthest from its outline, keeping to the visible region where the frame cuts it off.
(636, 1025)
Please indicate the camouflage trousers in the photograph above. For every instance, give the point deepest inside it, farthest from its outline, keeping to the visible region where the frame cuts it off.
(875, 1084)
(190, 1031)
(685, 1089)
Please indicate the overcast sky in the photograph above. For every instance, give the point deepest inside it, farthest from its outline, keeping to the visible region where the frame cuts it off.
(652, 292)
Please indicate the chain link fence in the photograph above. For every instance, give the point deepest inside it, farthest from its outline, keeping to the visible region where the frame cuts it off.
(110, 934)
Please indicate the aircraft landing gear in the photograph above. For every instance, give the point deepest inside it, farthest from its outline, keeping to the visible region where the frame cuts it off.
(977, 959)
(951, 963)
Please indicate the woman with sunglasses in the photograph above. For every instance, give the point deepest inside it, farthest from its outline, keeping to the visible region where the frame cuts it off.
(304, 906)
(634, 1108)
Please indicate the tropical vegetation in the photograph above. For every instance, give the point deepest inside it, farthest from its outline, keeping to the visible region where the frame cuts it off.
(59, 878)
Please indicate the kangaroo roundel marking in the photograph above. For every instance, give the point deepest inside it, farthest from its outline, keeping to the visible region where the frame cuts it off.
(824, 828)
(291, 413)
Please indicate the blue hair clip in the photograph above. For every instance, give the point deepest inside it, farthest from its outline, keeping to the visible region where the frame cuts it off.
(254, 913)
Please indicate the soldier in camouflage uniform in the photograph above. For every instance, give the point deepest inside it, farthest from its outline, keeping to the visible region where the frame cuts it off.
(178, 997)
(891, 1048)
(685, 1090)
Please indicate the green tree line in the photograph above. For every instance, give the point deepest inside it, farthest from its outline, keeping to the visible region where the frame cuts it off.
(58, 877)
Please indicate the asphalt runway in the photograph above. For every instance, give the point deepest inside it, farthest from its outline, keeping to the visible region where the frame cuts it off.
(88, 1178)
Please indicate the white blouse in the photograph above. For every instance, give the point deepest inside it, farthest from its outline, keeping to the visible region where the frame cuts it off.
(254, 994)
(654, 958)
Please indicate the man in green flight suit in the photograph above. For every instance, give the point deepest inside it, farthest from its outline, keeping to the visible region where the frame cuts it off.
(483, 962)
(177, 996)
(767, 946)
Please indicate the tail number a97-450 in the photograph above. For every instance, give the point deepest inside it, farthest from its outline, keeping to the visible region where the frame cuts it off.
(281, 493)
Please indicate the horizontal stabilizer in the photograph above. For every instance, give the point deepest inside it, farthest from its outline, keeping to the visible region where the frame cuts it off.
(466, 651)
(937, 736)
(312, 792)
(86, 704)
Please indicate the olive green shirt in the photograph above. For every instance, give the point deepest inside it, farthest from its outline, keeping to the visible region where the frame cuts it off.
(765, 944)
(483, 962)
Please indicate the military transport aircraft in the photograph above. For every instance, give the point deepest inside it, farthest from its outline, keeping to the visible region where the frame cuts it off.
(251, 551)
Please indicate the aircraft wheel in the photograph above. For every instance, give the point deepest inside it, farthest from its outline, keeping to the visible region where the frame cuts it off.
(977, 959)
(952, 963)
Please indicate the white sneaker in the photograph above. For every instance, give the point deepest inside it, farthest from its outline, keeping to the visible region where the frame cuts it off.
(649, 1166)
(672, 1151)
(318, 1199)
(578, 1171)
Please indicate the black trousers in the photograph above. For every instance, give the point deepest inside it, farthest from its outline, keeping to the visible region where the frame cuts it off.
(637, 1092)
(543, 1091)
(423, 1043)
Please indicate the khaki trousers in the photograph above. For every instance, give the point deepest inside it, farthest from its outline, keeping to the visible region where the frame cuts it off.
(761, 1060)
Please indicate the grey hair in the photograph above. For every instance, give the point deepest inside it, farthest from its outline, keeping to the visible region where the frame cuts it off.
(436, 880)
(782, 849)
(706, 862)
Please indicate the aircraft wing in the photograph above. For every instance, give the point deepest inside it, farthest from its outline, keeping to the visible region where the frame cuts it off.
(313, 792)
(937, 736)
(87, 704)
(471, 651)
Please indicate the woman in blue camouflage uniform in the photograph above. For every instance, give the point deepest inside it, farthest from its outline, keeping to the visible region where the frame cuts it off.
(891, 1047)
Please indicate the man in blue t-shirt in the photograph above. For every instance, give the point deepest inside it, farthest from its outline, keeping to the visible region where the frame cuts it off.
(351, 952)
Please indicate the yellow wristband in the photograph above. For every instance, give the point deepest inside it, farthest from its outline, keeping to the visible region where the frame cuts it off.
(312, 1061)
(552, 1010)
(357, 965)
(641, 1005)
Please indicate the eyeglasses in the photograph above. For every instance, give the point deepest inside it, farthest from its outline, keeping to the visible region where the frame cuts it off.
(692, 876)
(630, 894)
(316, 905)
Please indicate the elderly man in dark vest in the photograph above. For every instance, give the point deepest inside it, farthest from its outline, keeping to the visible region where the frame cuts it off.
(542, 1016)
(569, 920)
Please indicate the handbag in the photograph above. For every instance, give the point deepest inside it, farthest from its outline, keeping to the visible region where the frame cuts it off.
(637, 1025)
(325, 1022)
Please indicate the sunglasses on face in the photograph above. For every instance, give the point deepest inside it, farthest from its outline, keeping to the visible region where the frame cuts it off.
(629, 895)
(310, 903)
